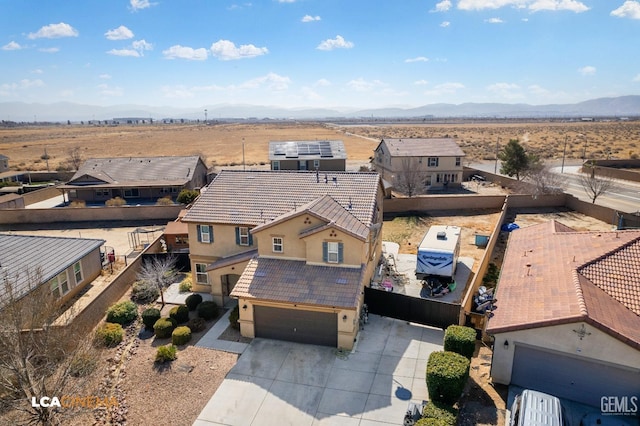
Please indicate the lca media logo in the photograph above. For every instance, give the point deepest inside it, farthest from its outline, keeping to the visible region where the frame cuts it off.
(71, 401)
(619, 405)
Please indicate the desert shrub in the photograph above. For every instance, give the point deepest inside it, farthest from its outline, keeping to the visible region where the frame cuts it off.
(196, 324)
(428, 421)
(460, 339)
(166, 353)
(234, 316)
(78, 203)
(186, 196)
(207, 310)
(492, 274)
(116, 202)
(122, 313)
(144, 292)
(441, 414)
(83, 364)
(163, 328)
(180, 314)
(192, 301)
(447, 373)
(185, 285)
(109, 334)
(181, 335)
(164, 201)
(149, 317)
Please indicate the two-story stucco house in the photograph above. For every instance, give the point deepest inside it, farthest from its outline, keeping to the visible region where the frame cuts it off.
(326, 155)
(295, 248)
(421, 164)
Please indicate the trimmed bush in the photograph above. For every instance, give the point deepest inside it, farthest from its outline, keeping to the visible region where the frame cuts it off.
(193, 300)
(185, 285)
(144, 292)
(166, 353)
(196, 324)
(149, 317)
(186, 196)
(116, 202)
(164, 201)
(460, 339)
(180, 314)
(447, 373)
(181, 335)
(440, 413)
(427, 421)
(164, 327)
(122, 313)
(207, 310)
(234, 316)
(109, 334)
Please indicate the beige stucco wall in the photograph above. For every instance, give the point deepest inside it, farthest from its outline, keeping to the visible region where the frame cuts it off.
(293, 246)
(90, 266)
(223, 245)
(597, 346)
(352, 247)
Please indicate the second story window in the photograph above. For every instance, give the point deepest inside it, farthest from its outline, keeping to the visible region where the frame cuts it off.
(458, 161)
(433, 162)
(243, 237)
(332, 252)
(278, 246)
(275, 165)
(205, 234)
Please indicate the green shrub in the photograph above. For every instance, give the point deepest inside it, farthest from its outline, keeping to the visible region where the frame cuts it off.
(109, 334)
(192, 301)
(166, 353)
(181, 335)
(440, 413)
(149, 317)
(196, 324)
(234, 316)
(164, 327)
(144, 292)
(185, 285)
(122, 313)
(426, 421)
(460, 339)
(180, 314)
(207, 310)
(447, 373)
(186, 196)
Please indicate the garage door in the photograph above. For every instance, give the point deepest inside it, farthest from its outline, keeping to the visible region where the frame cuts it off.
(571, 377)
(318, 328)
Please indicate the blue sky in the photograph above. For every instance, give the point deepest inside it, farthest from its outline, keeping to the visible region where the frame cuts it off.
(318, 53)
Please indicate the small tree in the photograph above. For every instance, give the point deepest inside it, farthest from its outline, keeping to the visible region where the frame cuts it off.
(186, 196)
(514, 158)
(160, 271)
(410, 180)
(595, 184)
(544, 181)
(75, 157)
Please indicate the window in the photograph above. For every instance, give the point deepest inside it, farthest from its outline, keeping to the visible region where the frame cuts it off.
(243, 237)
(77, 271)
(278, 246)
(332, 252)
(201, 274)
(427, 181)
(433, 162)
(302, 165)
(316, 164)
(457, 161)
(102, 192)
(60, 284)
(275, 165)
(132, 193)
(205, 234)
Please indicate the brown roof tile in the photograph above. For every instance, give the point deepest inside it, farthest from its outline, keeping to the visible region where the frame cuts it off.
(422, 147)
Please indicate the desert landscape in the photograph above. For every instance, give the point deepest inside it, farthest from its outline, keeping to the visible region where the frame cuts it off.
(222, 144)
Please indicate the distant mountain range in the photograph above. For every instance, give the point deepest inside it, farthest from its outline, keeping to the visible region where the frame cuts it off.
(623, 106)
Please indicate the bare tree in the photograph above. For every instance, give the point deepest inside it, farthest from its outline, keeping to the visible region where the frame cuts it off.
(410, 180)
(159, 271)
(37, 357)
(543, 181)
(75, 157)
(596, 184)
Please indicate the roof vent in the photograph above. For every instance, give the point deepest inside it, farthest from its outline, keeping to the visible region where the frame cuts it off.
(441, 235)
(341, 281)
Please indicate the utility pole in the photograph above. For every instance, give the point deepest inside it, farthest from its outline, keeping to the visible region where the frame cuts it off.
(564, 153)
(495, 167)
(244, 165)
(205, 116)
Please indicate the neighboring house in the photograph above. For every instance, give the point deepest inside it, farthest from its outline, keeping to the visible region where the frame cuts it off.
(295, 248)
(568, 314)
(308, 155)
(11, 201)
(176, 235)
(64, 265)
(136, 179)
(4, 163)
(421, 164)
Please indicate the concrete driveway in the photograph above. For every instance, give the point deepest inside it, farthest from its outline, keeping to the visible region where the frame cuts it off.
(283, 383)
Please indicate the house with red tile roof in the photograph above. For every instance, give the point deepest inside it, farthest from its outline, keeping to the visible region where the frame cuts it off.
(296, 249)
(568, 315)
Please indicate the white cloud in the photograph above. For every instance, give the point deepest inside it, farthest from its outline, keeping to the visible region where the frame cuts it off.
(442, 6)
(12, 45)
(421, 82)
(183, 52)
(361, 85)
(271, 81)
(49, 49)
(104, 77)
(54, 31)
(417, 59)
(136, 50)
(506, 90)
(37, 71)
(494, 21)
(286, 1)
(445, 24)
(587, 70)
(570, 5)
(141, 4)
(8, 89)
(309, 18)
(177, 92)
(629, 9)
(538, 90)
(636, 79)
(533, 5)
(335, 43)
(124, 52)
(120, 33)
(141, 45)
(106, 90)
(323, 82)
(311, 95)
(226, 50)
(445, 88)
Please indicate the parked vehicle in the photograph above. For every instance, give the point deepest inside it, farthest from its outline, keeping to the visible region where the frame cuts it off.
(536, 408)
(438, 252)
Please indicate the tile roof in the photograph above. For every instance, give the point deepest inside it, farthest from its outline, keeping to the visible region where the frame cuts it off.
(423, 147)
(295, 282)
(307, 150)
(552, 275)
(138, 170)
(257, 197)
(48, 255)
(328, 210)
(233, 259)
